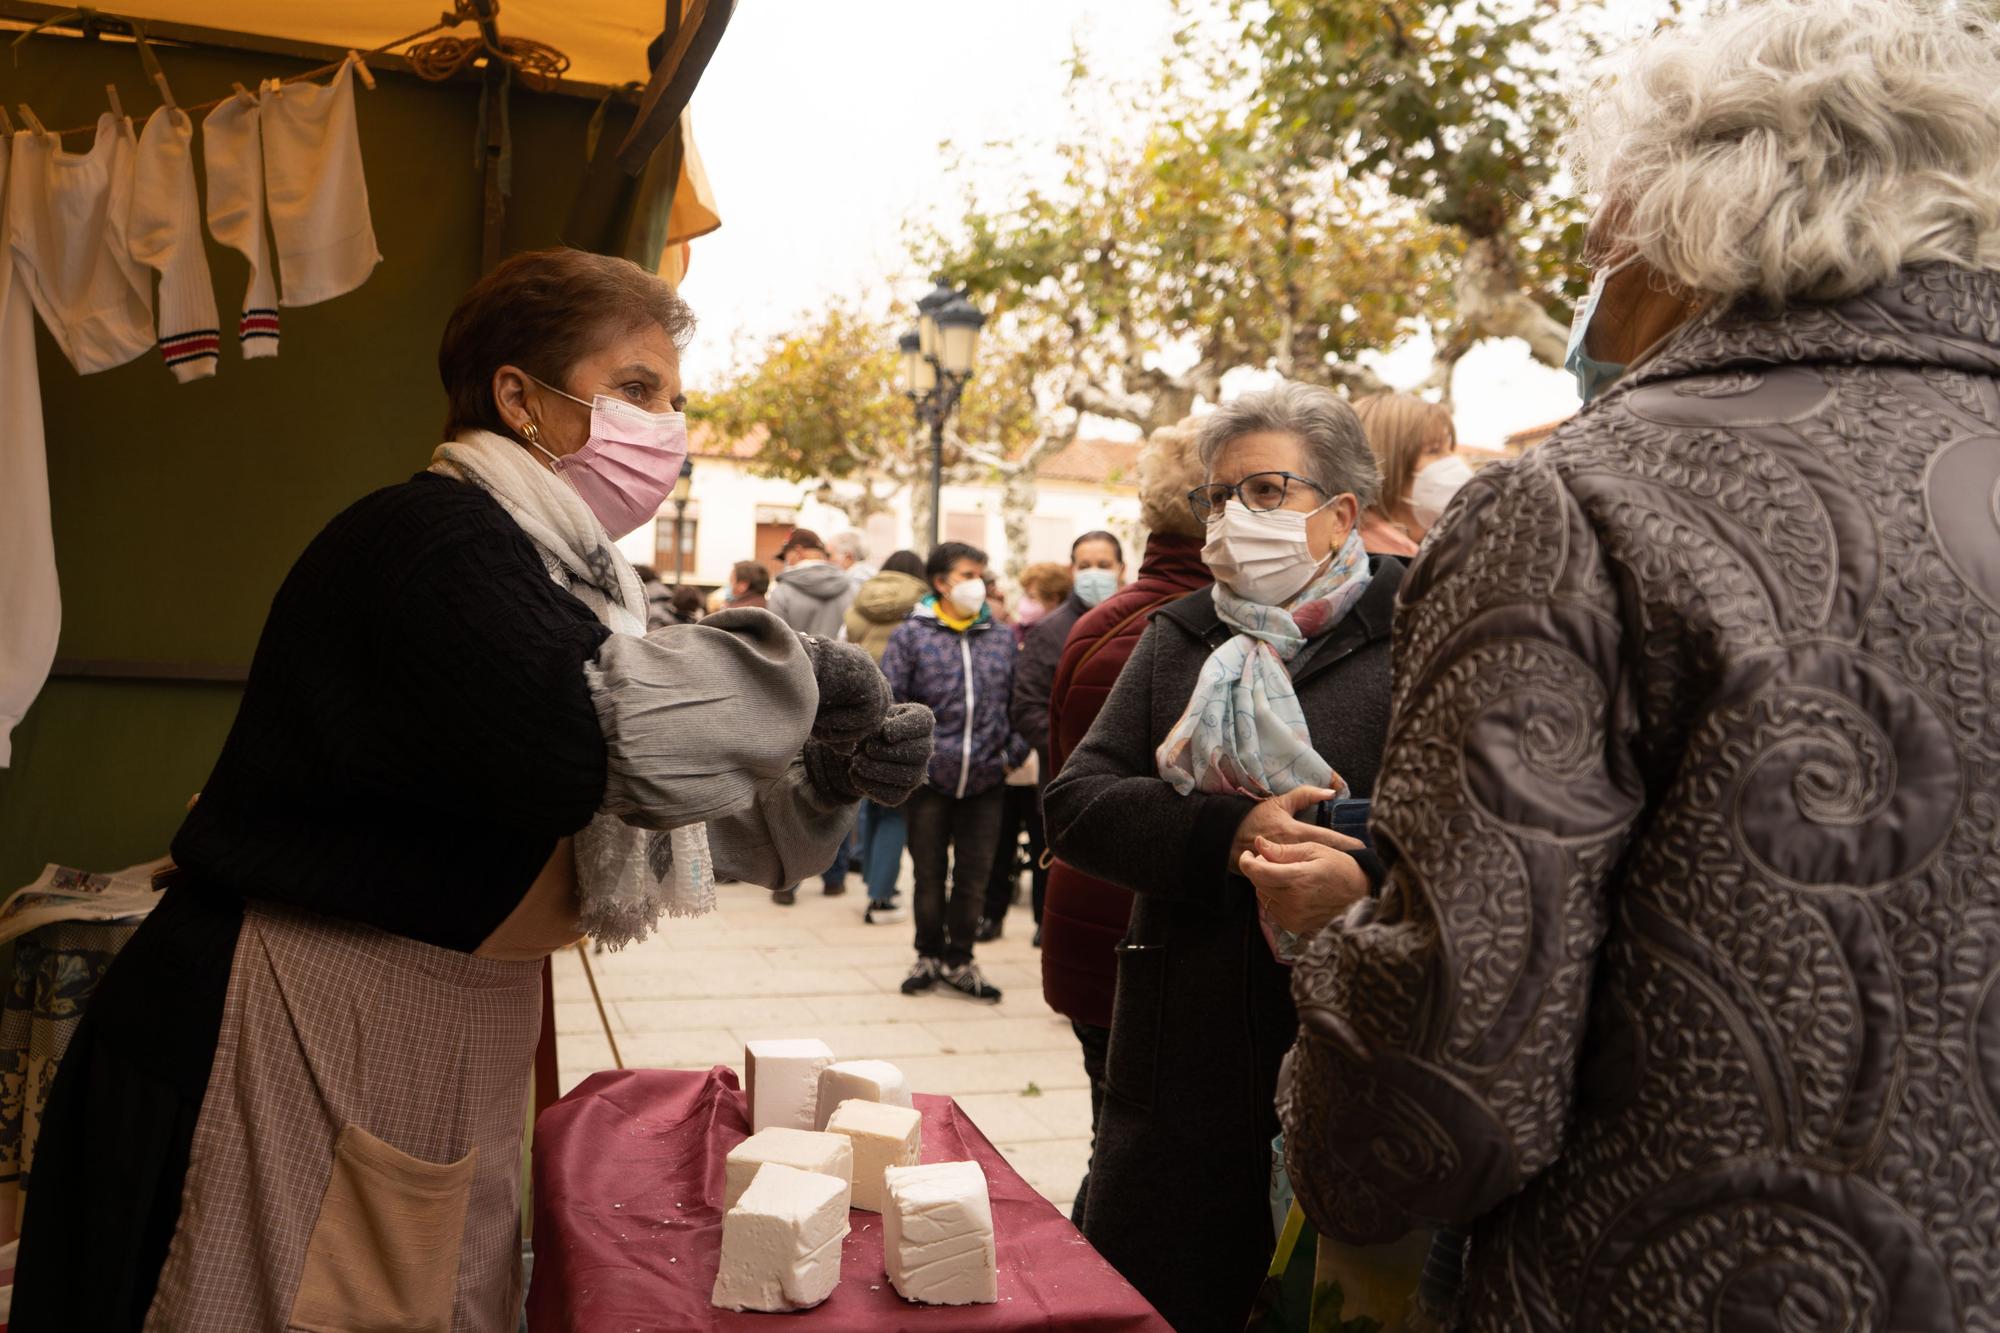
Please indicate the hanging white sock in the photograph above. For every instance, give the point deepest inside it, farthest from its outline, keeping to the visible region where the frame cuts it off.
(233, 146)
(319, 199)
(166, 237)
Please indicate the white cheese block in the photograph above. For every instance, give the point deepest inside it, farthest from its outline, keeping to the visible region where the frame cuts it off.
(883, 1136)
(781, 1242)
(782, 1081)
(859, 1080)
(937, 1234)
(800, 1149)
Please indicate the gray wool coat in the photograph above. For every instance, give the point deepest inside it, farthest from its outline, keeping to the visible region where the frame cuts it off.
(1686, 981)
(1179, 1178)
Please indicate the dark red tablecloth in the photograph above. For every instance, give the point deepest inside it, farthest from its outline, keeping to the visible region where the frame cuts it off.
(628, 1223)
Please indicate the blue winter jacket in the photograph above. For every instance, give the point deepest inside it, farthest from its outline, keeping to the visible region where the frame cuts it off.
(928, 663)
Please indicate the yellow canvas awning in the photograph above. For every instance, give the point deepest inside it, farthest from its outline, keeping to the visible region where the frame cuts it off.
(604, 39)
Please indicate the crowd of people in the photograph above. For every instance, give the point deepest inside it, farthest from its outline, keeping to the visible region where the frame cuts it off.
(1567, 895)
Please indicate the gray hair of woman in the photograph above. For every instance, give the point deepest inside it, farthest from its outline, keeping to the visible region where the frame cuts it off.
(1336, 454)
(1799, 149)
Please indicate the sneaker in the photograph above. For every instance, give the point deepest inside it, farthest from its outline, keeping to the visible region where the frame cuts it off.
(834, 888)
(883, 914)
(989, 930)
(921, 977)
(1038, 937)
(786, 897)
(965, 979)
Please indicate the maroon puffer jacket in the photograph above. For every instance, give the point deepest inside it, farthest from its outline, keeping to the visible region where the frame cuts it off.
(1084, 918)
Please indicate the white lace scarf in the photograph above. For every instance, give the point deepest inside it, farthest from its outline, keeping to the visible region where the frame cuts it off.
(626, 877)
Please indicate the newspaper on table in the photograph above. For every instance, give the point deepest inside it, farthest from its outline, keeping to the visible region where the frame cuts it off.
(62, 893)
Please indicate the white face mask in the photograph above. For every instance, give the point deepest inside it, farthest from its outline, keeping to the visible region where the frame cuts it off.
(967, 596)
(1263, 557)
(1434, 485)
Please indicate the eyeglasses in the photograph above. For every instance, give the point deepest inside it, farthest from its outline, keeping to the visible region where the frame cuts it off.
(1261, 491)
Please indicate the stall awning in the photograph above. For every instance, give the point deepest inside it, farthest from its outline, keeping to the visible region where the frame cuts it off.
(604, 39)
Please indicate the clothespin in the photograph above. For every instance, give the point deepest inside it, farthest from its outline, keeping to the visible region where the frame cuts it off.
(6, 122)
(244, 93)
(361, 70)
(151, 63)
(117, 107)
(34, 121)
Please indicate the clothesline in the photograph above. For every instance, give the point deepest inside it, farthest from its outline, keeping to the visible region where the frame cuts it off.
(436, 61)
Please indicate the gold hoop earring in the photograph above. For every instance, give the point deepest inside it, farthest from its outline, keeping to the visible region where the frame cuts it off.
(532, 431)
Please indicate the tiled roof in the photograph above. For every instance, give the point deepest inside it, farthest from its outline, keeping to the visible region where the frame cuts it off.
(1522, 440)
(1095, 462)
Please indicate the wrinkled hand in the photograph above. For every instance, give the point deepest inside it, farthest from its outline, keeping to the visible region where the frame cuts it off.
(1304, 885)
(1275, 818)
(853, 693)
(889, 764)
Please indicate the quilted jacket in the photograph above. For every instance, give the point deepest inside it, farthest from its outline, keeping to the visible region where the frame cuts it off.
(926, 662)
(1686, 981)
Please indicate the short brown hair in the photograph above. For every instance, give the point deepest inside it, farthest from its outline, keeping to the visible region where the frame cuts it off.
(1399, 427)
(752, 576)
(1048, 583)
(544, 311)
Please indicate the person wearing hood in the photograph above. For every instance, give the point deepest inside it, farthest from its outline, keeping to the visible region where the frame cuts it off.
(953, 656)
(885, 601)
(1416, 446)
(881, 604)
(1096, 570)
(812, 593)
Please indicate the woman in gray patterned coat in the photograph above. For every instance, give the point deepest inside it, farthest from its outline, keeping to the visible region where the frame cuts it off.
(1684, 988)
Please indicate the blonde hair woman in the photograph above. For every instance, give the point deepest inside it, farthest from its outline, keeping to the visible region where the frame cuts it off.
(1416, 446)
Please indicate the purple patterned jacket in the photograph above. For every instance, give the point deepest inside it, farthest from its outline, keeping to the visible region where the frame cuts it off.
(928, 663)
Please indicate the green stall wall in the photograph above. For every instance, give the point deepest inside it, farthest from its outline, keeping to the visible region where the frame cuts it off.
(178, 508)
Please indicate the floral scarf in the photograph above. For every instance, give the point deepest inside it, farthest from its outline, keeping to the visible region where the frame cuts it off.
(626, 877)
(1243, 731)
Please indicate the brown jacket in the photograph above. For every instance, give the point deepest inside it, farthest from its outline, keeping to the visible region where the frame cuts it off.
(1686, 982)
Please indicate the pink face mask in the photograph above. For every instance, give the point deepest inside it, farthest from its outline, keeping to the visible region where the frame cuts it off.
(628, 466)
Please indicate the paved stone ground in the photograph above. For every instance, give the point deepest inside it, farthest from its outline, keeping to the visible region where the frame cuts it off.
(689, 997)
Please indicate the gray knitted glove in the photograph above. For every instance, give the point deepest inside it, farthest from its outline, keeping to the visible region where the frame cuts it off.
(829, 769)
(889, 764)
(853, 694)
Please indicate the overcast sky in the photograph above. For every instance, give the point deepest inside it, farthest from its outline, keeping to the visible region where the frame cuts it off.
(820, 125)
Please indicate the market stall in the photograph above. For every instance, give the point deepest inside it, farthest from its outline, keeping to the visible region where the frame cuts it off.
(629, 1183)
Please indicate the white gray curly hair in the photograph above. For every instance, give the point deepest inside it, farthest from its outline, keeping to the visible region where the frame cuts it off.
(1800, 149)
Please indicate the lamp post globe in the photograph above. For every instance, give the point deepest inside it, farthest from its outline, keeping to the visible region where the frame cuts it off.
(928, 305)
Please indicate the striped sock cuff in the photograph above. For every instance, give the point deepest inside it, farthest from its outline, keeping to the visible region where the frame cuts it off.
(193, 354)
(258, 331)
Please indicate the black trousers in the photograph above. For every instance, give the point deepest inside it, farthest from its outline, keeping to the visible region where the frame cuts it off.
(1095, 1042)
(951, 837)
(1022, 813)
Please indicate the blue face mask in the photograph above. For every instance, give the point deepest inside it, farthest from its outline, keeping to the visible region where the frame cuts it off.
(1094, 585)
(1592, 376)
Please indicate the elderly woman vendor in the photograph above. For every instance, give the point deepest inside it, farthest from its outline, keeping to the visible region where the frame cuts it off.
(296, 1100)
(1684, 989)
(1242, 707)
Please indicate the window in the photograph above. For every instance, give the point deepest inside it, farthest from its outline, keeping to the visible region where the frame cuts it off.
(663, 546)
(1049, 539)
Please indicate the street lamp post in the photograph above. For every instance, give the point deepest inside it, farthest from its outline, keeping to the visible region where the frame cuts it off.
(937, 361)
(682, 485)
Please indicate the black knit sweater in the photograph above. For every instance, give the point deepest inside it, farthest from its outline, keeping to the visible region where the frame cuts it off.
(416, 733)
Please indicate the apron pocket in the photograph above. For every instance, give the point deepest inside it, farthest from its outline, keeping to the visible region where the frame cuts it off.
(384, 1250)
(1130, 1063)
